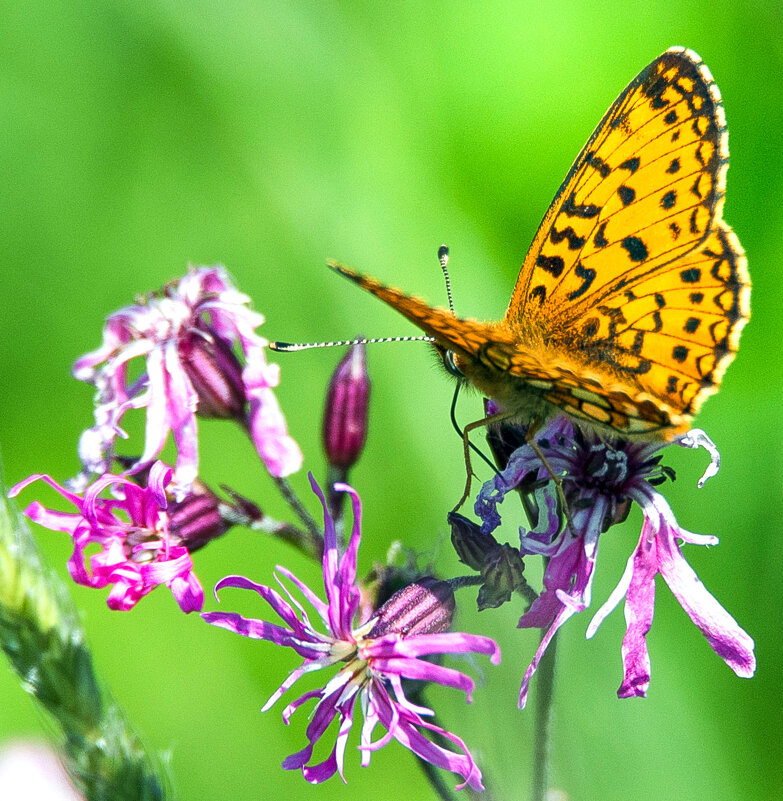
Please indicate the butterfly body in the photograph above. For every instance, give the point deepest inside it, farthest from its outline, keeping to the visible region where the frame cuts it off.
(630, 302)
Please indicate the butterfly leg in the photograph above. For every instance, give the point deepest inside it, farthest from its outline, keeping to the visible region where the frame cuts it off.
(484, 421)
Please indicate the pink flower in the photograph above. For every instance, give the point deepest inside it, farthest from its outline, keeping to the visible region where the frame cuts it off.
(186, 335)
(139, 548)
(371, 657)
(600, 477)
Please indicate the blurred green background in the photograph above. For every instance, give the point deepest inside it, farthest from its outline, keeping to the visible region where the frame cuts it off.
(268, 136)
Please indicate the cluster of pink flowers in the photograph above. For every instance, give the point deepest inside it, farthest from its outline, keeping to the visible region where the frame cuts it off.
(138, 522)
(186, 335)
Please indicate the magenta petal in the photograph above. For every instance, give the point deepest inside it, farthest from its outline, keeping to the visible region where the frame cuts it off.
(341, 595)
(272, 597)
(425, 644)
(730, 642)
(17, 488)
(123, 597)
(639, 608)
(406, 732)
(558, 575)
(260, 630)
(188, 592)
(55, 521)
(425, 671)
(277, 449)
(157, 420)
(349, 593)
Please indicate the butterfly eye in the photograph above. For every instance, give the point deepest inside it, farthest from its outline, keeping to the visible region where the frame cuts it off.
(450, 364)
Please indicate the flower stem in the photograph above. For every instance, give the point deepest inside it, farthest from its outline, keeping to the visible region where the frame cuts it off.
(434, 774)
(292, 499)
(545, 696)
(301, 540)
(436, 780)
(465, 581)
(336, 501)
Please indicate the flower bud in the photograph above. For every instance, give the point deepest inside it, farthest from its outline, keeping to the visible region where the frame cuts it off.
(424, 607)
(197, 518)
(345, 413)
(503, 574)
(215, 373)
(471, 545)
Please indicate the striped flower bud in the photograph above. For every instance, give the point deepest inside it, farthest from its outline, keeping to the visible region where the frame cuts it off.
(215, 373)
(345, 413)
(424, 607)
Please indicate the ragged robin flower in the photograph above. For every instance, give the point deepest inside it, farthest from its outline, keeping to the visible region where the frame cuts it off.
(144, 539)
(186, 335)
(370, 657)
(599, 477)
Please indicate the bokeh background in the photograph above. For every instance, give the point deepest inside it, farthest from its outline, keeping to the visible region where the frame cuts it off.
(267, 136)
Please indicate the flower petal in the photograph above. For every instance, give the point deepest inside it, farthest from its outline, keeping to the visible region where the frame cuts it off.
(730, 642)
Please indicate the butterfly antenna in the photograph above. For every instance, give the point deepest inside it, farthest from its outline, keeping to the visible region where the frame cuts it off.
(290, 347)
(461, 433)
(443, 258)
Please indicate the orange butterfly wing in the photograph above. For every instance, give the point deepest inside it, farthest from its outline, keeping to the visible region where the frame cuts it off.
(629, 305)
(633, 268)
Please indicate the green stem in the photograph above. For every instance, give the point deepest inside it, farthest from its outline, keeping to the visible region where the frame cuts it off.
(435, 775)
(335, 501)
(292, 499)
(310, 546)
(545, 696)
(465, 581)
(436, 780)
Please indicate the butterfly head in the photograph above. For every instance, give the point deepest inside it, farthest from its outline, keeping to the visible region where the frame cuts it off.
(478, 353)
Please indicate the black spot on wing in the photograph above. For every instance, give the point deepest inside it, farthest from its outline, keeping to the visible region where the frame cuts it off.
(600, 239)
(572, 209)
(690, 276)
(673, 167)
(654, 87)
(598, 164)
(538, 293)
(632, 164)
(587, 275)
(692, 324)
(552, 264)
(590, 328)
(638, 343)
(626, 194)
(679, 353)
(575, 242)
(637, 250)
(669, 199)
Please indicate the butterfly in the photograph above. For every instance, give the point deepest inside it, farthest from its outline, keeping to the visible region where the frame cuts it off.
(630, 302)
